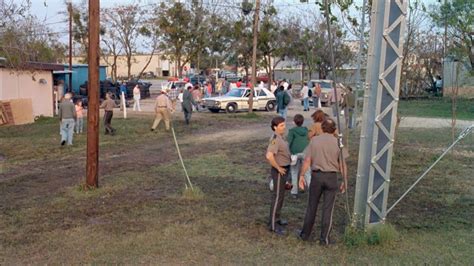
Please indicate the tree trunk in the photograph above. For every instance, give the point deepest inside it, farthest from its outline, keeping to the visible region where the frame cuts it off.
(180, 70)
(146, 65)
(270, 72)
(302, 74)
(129, 66)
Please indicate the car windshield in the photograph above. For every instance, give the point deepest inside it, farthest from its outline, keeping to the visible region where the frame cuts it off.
(235, 93)
(325, 85)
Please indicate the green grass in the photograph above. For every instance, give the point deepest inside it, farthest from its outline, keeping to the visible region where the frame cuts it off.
(142, 214)
(437, 107)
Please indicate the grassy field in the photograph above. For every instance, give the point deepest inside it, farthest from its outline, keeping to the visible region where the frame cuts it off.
(437, 107)
(138, 214)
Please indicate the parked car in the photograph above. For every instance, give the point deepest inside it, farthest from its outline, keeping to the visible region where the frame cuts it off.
(149, 75)
(237, 100)
(144, 88)
(177, 84)
(197, 79)
(326, 91)
(260, 77)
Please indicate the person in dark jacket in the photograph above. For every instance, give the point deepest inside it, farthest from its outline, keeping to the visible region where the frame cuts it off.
(298, 141)
(187, 104)
(282, 99)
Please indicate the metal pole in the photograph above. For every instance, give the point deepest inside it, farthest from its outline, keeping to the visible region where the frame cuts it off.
(92, 164)
(359, 62)
(461, 136)
(380, 110)
(254, 53)
(70, 45)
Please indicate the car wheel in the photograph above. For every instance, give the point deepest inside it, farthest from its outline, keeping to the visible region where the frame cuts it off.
(231, 108)
(270, 106)
(214, 110)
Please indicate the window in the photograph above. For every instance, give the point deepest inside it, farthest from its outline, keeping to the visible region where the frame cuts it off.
(262, 93)
(235, 93)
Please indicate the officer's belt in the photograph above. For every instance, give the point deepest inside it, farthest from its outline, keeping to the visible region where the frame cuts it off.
(319, 171)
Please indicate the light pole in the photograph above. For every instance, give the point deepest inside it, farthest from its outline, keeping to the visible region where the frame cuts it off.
(69, 9)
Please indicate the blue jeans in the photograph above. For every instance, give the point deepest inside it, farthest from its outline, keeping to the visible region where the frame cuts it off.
(282, 112)
(79, 124)
(306, 103)
(334, 111)
(295, 170)
(349, 115)
(315, 101)
(67, 130)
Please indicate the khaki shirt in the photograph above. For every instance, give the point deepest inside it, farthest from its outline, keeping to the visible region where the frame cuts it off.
(162, 101)
(279, 147)
(108, 105)
(324, 152)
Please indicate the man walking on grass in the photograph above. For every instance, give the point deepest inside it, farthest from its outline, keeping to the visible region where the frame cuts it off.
(67, 116)
(163, 109)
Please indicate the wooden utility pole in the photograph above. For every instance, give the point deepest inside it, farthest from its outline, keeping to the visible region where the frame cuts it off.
(254, 53)
(69, 8)
(92, 165)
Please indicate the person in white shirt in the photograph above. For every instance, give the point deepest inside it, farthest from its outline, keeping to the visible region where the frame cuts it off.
(273, 87)
(136, 99)
(304, 94)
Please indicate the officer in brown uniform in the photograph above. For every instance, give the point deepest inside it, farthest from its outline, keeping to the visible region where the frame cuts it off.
(163, 108)
(324, 156)
(279, 157)
(108, 106)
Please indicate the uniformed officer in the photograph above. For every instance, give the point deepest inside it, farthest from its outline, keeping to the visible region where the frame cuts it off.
(162, 109)
(324, 156)
(279, 157)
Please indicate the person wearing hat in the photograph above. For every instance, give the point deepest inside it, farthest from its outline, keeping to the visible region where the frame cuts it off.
(163, 109)
(173, 94)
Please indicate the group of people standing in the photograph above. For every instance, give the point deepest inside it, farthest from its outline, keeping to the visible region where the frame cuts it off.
(309, 159)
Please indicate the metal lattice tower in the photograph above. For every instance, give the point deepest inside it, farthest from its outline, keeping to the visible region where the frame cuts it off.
(380, 110)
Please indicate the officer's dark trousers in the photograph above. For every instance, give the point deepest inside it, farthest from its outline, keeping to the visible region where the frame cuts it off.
(278, 195)
(322, 184)
(108, 122)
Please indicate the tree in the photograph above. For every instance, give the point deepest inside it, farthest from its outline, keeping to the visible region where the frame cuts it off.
(272, 41)
(24, 38)
(174, 23)
(80, 29)
(128, 24)
(458, 17)
(417, 74)
(111, 48)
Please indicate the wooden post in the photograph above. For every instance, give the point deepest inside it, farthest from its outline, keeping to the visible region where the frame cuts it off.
(92, 165)
(70, 45)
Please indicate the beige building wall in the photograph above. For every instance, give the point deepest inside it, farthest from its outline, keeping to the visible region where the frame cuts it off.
(37, 86)
(159, 66)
